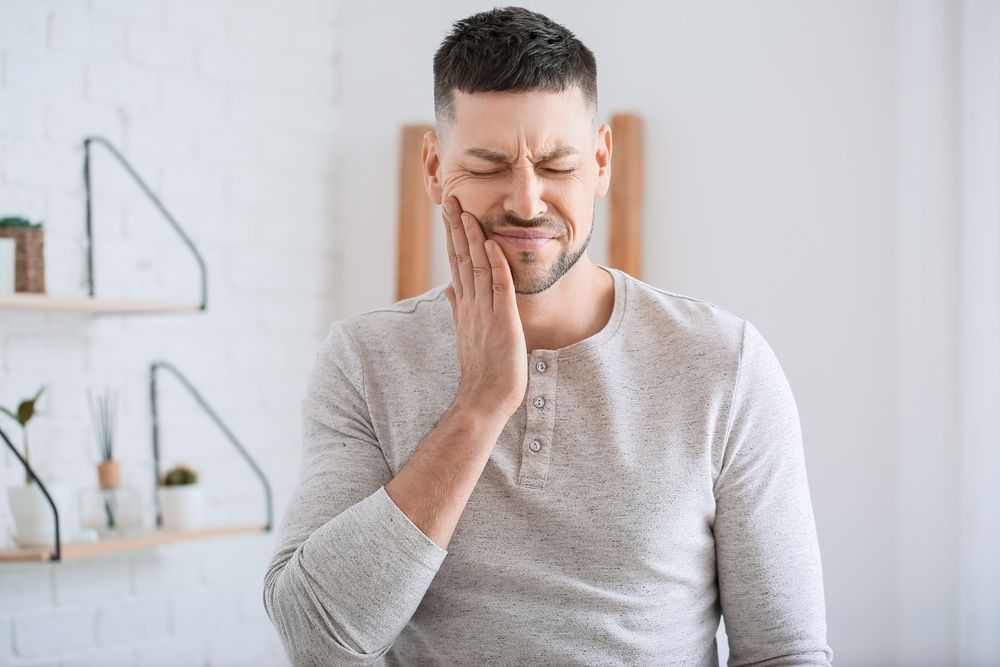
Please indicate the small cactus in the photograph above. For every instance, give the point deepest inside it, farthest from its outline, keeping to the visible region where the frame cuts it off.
(178, 476)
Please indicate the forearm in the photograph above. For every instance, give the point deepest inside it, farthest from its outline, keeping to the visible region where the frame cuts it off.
(435, 485)
(344, 595)
(318, 590)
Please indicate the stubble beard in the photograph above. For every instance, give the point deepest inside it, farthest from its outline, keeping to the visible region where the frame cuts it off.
(531, 277)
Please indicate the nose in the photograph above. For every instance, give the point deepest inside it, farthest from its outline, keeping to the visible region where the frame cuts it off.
(524, 197)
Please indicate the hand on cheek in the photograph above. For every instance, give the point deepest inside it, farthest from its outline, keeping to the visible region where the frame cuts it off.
(490, 339)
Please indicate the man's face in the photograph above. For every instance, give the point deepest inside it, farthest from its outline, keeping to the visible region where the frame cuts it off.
(526, 162)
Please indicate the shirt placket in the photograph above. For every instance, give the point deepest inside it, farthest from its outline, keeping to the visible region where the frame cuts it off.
(536, 446)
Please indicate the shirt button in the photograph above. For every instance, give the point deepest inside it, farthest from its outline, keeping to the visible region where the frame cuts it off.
(535, 445)
(539, 402)
(540, 367)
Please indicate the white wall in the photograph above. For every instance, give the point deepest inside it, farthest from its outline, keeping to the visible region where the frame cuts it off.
(229, 110)
(925, 338)
(979, 609)
(801, 171)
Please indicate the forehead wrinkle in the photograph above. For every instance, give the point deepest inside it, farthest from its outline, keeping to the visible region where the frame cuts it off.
(496, 156)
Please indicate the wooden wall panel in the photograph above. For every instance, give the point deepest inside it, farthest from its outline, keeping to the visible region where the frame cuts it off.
(413, 274)
(625, 232)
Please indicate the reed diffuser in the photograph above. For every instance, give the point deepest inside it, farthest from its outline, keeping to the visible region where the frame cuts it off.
(115, 508)
(103, 414)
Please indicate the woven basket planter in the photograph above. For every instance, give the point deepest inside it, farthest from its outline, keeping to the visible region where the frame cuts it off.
(29, 272)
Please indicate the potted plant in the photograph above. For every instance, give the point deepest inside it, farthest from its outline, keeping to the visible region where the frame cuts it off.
(181, 499)
(33, 519)
(25, 411)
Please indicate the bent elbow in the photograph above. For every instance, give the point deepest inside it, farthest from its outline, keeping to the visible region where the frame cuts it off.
(308, 633)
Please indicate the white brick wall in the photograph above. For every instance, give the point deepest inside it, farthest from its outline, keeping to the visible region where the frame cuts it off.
(230, 111)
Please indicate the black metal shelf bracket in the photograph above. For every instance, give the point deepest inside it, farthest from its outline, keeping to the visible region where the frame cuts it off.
(152, 197)
(57, 555)
(211, 413)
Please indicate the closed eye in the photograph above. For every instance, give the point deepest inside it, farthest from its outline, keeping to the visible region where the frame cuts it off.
(493, 173)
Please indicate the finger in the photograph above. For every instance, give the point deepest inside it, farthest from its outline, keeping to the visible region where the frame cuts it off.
(449, 292)
(464, 260)
(504, 298)
(482, 273)
(450, 219)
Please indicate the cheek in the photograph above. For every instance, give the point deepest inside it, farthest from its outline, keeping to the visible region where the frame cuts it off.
(476, 195)
(456, 182)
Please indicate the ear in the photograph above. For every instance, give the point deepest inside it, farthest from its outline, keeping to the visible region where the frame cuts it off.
(602, 155)
(431, 158)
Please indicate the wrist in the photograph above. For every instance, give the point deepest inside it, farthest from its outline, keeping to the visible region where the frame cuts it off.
(479, 412)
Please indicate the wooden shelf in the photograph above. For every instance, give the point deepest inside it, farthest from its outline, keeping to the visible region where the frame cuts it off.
(83, 304)
(154, 538)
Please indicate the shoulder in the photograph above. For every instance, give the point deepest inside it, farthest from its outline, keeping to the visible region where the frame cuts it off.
(418, 321)
(665, 318)
(704, 330)
(712, 342)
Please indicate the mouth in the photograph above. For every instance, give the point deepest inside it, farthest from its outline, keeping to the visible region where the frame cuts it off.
(522, 243)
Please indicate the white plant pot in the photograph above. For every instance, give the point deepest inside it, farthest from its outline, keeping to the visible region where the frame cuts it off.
(182, 507)
(33, 521)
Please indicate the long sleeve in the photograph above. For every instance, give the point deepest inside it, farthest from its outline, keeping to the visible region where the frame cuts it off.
(349, 568)
(767, 553)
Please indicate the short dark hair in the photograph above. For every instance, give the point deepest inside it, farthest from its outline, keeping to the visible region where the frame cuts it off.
(513, 49)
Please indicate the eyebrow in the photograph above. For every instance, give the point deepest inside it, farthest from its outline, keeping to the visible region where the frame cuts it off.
(493, 156)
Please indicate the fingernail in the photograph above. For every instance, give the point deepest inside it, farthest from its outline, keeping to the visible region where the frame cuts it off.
(449, 209)
(465, 218)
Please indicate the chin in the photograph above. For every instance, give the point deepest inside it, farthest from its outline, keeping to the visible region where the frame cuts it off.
(534, 278)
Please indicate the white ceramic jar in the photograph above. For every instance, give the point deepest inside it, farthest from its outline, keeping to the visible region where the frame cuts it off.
(34, 524)
(182, 506)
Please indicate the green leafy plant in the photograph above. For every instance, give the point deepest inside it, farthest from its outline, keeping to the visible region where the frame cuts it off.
(14, 221)
(25, 411)
(178, 476)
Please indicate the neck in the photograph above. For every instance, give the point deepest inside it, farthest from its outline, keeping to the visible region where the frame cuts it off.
(576, 307)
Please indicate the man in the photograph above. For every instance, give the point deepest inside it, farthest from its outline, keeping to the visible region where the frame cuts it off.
(545, 461)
